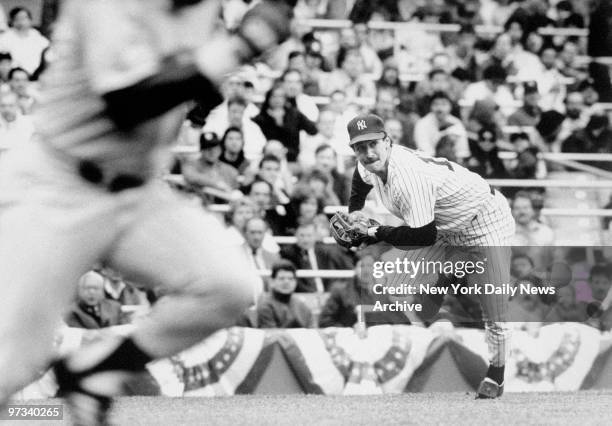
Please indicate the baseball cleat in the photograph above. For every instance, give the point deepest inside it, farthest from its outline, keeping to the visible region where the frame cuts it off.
(83, 393)
(489, 389)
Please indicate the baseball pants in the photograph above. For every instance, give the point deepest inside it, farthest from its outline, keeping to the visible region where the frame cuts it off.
(487, 239)
(54, 226)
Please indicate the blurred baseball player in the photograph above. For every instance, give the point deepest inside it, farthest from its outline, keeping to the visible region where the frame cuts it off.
(448, 211)
(85, 192)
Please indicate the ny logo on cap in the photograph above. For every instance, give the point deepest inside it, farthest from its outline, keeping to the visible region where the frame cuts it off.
(361, 124)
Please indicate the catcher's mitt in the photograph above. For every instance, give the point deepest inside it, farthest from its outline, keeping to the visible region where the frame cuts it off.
(350, 233)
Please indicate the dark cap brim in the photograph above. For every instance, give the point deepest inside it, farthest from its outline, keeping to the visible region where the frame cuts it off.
(367, 137)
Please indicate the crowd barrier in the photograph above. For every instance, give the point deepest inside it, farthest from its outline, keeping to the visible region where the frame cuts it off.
(387, 359)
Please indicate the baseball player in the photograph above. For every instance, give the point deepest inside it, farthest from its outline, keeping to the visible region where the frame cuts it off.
(85, 191)
(448, 211)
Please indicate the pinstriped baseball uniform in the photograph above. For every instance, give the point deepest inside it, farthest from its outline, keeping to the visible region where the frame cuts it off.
(55, 223)
(467, 214)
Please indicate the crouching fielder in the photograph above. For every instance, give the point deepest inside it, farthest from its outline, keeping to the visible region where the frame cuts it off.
(449, 212)
(86, 191)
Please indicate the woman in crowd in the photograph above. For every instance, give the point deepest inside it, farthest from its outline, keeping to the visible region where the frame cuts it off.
(280, 120)
(232, 152)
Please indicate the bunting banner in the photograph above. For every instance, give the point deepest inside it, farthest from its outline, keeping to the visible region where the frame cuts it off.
(381, 359)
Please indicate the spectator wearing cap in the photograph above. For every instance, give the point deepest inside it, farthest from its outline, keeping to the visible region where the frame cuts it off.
(280, 308)
(22, 41)
(429, 129)
(485, 155)
(596, 137)
(207, 171)
(236, 116)
(492, 87)
(294, 90)
(282, 121)
(528, 114)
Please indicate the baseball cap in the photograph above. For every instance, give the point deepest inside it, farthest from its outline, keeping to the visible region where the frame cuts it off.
(209, 140)
(365, 127)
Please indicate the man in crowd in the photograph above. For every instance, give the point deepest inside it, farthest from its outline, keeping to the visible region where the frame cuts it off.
(429, 129)
(254, 231)
(307, 253)
(327, 162)
(279, 217)
(16, 129)
(529, 114)
(280, 308)
(92, 309)
(206, 170)
(294, 87)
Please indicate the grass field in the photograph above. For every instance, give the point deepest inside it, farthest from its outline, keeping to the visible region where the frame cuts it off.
(576, 408)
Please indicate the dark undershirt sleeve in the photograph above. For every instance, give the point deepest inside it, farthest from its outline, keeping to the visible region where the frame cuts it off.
(399, 236)
(157, 94)
(359, 192)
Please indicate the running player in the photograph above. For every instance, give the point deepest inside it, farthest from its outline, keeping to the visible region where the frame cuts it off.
(448, 211)
(85, 192)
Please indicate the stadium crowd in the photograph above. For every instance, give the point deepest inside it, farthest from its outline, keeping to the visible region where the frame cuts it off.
(275, 153)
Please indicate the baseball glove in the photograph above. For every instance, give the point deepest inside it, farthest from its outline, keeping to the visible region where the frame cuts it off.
(351, 233)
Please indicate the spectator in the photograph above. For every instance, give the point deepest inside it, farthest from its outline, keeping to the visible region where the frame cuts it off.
(600, 281)
(439, 81)
(349, 77)
(528, 114)
(281, 121)
(19, 81)
(589, 93)
(15, 128)
(24, 43)
(522, 269)
(596, 137)
(234, 87)
(286, 176)
(526, 307)
(92, 310)
(241, 210)
(255, 231)
(236, 116)
(340, 309)
(293, 84)
(308, 208)
(327, 162)
(270, 170)
(492, 87)
(568, 66)
(319, 184)
(207, 171)
(315, 72)
(327, 135)
(485, 155)
(307, 253)
(395, 128)
(115, 288)
(576, 115)
(529, 232)
(280, 308)
(551, 81)
(429, 129)
(567, 308)
(279, 217)
(567, 17)
(548, 131)
(232, 150)
(389, 79)
(372, 64)
(463, 54)
(446, 148)
(6, 64)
